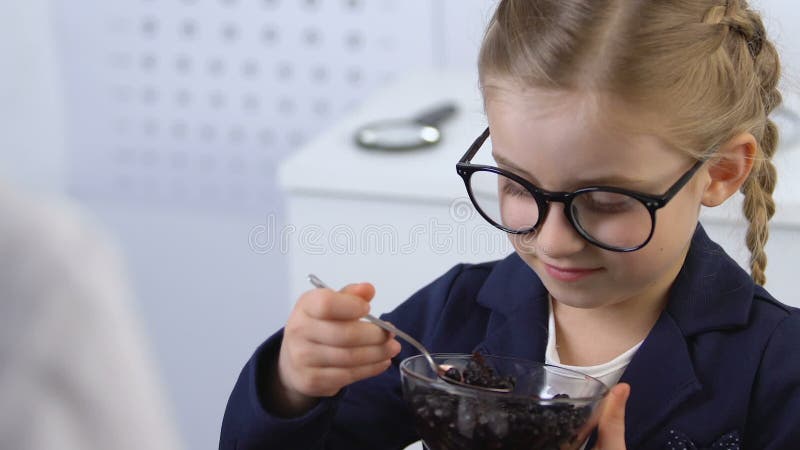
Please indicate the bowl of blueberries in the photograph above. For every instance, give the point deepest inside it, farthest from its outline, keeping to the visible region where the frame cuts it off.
(539, 407)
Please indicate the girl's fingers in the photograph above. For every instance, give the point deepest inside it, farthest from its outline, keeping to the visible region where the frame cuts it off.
(328, 381)
(363, 290)
(353, 357)
(344, 334)
(611, 427)
(325, 304)
(327, 347)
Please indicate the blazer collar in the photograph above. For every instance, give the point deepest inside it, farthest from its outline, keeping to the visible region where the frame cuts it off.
(711, 292)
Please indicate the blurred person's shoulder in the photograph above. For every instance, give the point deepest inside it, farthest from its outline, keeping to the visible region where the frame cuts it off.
(48, 229)
(51, 251)
(76, 372)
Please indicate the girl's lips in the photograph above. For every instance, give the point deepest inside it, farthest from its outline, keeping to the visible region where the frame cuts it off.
(564, 274)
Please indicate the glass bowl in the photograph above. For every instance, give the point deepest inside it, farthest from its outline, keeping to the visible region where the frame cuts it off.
(549, 407)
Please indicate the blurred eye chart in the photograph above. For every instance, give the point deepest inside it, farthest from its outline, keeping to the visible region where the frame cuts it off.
(192, 103)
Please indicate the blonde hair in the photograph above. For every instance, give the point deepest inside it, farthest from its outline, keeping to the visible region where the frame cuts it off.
(705, 66)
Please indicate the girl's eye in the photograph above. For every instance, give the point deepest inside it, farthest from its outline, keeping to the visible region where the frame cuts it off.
(608, 202)
(515, 190)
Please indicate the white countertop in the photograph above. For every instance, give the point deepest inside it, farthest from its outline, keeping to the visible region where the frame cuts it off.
(332, 164)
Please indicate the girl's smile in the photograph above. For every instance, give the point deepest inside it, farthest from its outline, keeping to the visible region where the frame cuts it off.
(569, 274)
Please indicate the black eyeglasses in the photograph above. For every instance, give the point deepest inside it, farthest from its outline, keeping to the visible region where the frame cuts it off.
(611, 218)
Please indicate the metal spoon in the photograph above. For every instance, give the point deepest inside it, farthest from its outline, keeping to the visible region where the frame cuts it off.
(439, 370)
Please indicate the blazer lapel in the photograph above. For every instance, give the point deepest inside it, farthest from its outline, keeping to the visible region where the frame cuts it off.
(662, 376)
(522, 335)
(518, 322)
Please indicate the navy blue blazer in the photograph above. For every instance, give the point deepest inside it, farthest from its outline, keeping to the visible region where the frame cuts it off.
(720, 368)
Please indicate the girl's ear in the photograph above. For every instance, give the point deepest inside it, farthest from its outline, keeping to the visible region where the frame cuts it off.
(729, 168)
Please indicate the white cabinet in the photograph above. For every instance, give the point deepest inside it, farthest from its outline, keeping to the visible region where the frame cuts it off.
(401, 219)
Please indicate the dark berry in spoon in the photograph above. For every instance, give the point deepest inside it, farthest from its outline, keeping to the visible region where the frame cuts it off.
(454, 374)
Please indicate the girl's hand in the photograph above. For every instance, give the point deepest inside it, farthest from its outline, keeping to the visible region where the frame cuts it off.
(611, 426)
(326, 347)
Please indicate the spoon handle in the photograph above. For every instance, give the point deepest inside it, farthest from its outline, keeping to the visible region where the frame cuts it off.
(386, 326)
(402, 334)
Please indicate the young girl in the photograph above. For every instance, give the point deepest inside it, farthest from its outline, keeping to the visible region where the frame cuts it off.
(611, 123)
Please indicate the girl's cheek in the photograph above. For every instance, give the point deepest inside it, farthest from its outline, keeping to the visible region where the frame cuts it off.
(629, 266)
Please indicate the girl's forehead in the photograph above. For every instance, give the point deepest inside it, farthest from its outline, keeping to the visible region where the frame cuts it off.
(586, 106)
(578, 136)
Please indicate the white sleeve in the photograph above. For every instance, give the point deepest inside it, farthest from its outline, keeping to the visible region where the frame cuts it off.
(74, 370)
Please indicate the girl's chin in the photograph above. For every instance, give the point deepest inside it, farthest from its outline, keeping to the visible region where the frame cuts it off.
(575, 296)
(577, 301)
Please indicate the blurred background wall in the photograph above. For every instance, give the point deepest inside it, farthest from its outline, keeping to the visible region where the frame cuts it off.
(31, 97)
(166, 120)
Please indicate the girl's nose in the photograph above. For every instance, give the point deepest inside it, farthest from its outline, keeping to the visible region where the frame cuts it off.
(556, 237)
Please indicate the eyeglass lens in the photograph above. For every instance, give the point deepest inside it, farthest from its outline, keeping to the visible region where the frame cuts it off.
(609, 218)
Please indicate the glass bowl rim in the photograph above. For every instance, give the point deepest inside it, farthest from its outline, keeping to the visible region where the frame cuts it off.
(459, 389)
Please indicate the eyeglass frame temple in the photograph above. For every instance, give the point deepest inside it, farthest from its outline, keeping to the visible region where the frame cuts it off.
(476, 145)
